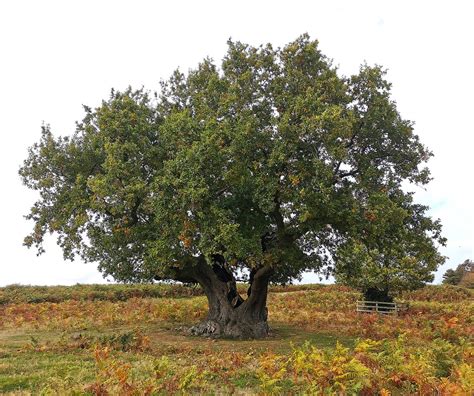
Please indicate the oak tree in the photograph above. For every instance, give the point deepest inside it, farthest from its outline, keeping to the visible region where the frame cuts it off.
(259, 169)
(461, 275)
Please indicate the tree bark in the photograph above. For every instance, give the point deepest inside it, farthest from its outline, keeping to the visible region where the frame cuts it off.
(229, 314)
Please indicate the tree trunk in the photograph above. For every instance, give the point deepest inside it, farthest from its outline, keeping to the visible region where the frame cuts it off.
(229, 314)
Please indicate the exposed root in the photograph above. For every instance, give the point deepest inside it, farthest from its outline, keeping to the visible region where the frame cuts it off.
(242, 330)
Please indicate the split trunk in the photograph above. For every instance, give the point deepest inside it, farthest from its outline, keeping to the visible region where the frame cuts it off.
(229, 314)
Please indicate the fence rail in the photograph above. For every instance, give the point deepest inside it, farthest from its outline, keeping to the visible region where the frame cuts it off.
(381, 307)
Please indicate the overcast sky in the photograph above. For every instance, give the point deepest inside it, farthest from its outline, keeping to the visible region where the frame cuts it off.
(57, 55)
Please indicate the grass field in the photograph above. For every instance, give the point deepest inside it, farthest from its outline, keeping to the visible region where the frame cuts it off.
(129, 340)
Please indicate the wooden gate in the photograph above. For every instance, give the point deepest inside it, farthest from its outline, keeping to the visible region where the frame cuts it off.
(381, 307)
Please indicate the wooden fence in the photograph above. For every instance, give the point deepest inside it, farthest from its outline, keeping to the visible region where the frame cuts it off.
(381, 307)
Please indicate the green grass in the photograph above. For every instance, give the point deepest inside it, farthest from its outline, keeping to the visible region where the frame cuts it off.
(31, 370)
(26, 367)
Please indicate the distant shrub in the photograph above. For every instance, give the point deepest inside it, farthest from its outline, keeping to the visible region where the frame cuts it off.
(443, 293)
(17, 294)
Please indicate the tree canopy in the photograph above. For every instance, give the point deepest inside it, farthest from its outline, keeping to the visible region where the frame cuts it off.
(462, 275)
(264, 167)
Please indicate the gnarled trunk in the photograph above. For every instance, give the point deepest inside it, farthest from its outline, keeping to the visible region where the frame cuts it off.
(229, 314)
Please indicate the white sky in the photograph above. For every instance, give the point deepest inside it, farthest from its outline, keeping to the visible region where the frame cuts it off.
(57, 55)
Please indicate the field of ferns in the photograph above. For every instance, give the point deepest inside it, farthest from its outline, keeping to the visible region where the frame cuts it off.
(133, 340)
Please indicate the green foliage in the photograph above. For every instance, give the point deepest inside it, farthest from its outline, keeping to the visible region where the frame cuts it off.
(387, 269)
(454, 277)
(272, 159)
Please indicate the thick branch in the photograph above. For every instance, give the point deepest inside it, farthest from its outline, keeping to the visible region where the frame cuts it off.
(351, 173)
(277, 216)
(259, 283)
(185, 271)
